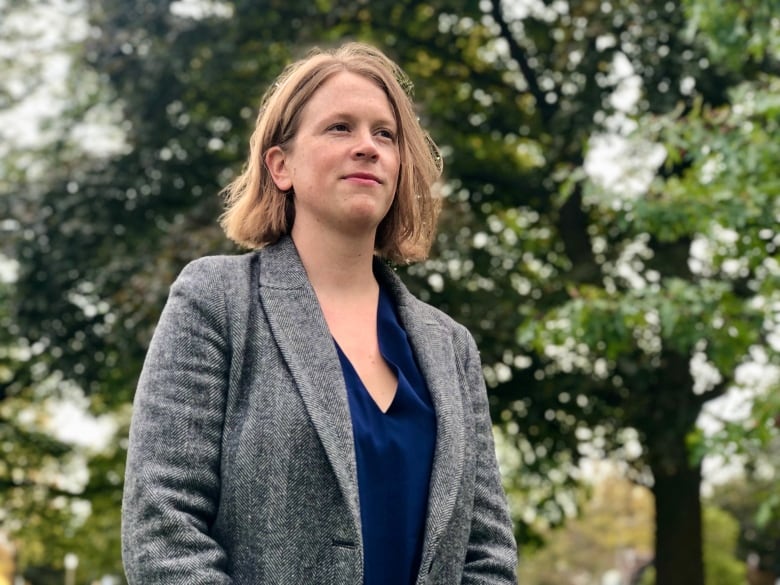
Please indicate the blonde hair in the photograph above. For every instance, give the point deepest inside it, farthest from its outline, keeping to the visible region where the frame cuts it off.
(258, 213)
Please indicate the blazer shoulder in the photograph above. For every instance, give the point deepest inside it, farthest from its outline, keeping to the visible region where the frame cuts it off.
(210, 272)
(462, 337)
(214, 280)
(206, 266)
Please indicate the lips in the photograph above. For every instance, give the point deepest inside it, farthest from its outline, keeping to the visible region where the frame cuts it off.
(368, 177)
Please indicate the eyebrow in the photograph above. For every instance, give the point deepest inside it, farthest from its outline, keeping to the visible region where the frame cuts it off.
(351, 117)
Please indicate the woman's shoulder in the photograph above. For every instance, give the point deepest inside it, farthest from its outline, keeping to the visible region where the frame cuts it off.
(219, 263)
(212, 275)
(461, 335)
(437, 315)
(216, 267)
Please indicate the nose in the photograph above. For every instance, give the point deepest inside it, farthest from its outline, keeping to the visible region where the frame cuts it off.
(365, 146)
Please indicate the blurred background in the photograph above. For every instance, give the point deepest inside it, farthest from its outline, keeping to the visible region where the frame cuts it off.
(610, 236)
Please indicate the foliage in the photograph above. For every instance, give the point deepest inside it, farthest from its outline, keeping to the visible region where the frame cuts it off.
(612, 538)
(721, 531)
(613, 532)
(590, 299)
(737, 34)
(753, 501)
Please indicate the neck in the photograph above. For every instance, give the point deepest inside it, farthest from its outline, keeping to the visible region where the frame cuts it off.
(341, 266)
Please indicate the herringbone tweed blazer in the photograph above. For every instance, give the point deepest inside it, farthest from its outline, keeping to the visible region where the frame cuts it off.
(241, 464)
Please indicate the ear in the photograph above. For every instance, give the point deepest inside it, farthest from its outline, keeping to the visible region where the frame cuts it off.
(276, 163)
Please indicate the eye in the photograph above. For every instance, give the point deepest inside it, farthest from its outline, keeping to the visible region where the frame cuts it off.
(339, 127)
(385, 133)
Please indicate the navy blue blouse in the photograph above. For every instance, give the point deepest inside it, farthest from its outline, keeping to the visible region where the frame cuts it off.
(394, 452)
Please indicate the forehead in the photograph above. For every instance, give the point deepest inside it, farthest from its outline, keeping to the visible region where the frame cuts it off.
(352, 93)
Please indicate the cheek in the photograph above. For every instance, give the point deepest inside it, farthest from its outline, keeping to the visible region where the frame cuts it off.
(396, 162)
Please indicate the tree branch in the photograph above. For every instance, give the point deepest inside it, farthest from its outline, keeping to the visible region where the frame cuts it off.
(518, 54)
(711, 394)
(572, 226)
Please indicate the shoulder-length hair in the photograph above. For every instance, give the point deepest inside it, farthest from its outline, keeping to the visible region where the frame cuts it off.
(258, 213)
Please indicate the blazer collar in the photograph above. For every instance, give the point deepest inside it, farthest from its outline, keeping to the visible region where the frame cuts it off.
(432, 346)
(299, 327)
(296, 321)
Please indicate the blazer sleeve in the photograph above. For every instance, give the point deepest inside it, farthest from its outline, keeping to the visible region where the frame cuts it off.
(491, 556)
(172, 478)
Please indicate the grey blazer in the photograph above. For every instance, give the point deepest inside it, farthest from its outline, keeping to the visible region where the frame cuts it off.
(241, 462)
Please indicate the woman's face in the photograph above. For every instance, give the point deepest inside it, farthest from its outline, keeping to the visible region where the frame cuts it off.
(343, 162)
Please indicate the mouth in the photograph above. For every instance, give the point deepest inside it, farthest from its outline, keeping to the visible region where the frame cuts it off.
(363, 177)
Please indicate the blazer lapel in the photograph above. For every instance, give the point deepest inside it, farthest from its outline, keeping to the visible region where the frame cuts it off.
(303, 337)
(432, 346)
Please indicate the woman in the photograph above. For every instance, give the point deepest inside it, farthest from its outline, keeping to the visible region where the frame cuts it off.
(301, 418)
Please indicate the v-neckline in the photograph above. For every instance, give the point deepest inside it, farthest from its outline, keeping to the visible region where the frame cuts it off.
(363, 387)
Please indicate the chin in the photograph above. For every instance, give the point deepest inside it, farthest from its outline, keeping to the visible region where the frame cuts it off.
(368, 210)
(363, 221)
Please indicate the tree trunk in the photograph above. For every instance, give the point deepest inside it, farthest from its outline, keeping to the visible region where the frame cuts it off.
(678, 531)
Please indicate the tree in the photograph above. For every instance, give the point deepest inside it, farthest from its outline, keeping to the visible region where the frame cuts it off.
(614, 306)
(650, 335)
(48, 103)
(611, 540)
(590, 302)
